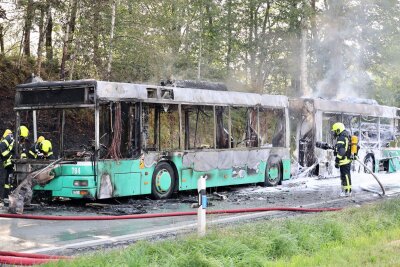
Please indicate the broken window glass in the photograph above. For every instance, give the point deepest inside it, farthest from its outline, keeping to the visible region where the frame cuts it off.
(386, 132)
(222, 119)
(169, 127)
(369, 131)
(239, 118)
(328, 119)
(149, 127)
(272, 128)
(352, 123)
(199, 127)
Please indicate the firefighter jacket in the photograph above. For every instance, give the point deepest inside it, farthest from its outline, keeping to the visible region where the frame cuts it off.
(24, 146)
(342, 149)
(35, 152)
(7, 150)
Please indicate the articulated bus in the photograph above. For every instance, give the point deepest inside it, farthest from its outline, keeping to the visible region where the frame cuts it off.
(376, 126)
(121, 139)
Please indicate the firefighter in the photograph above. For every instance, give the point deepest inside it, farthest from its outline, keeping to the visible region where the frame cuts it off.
(24, 143)
(6, 155)
(42, 149)
(46, 150)
(342, 156)
(34, 150)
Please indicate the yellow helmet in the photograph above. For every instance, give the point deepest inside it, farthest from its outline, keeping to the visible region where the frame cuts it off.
(337, 128)
(7, 132)
(23, 131)
(46, 146)
(40, 139)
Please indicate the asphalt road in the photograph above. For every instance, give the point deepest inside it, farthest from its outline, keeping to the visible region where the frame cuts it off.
(70, 237)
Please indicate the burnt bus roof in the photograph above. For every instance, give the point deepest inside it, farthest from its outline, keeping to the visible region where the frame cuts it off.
(87, 93)
(337, 106)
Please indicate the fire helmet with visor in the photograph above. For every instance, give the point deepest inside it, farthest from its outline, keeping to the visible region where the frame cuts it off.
(23, 131)
(337, 128)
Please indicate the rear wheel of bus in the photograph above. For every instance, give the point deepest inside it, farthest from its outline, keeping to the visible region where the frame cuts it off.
(163, 181)
(273, 172)
(369, 161)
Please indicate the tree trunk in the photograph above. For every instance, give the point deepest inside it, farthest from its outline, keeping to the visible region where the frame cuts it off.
(96, 32)
(49, 32)
(64, 53)
(68, 37)
(72, 26)
(1, 40)
(111, 40)
(229, 33)
(41, 39)
(305, 89)
(30, 10)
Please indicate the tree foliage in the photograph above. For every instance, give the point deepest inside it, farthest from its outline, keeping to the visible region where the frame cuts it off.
(337, 48)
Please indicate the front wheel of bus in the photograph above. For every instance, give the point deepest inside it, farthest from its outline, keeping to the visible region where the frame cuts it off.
(163, 181)
(273, 172)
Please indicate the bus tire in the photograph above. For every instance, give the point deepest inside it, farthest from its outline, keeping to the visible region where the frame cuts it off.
(163, 181)
(369, 161)
(273, 172)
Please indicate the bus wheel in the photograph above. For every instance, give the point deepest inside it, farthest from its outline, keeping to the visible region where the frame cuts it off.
(163, 181)
(273, 172)
(369, 162)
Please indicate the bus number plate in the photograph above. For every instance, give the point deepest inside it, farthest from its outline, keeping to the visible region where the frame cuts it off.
(76, 170)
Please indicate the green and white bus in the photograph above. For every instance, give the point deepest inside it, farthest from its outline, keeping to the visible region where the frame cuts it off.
(123, 139)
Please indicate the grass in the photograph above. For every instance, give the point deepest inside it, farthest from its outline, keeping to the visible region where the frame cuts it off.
(367, 236)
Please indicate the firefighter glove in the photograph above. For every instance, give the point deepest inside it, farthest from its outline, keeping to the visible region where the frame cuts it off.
(336, 165)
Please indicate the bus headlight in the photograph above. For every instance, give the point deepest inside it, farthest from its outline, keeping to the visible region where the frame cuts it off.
(80, 183)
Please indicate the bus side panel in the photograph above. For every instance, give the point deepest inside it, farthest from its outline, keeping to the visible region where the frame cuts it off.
(394, 162)
(286, 169)
(234, 176)
(123, 178)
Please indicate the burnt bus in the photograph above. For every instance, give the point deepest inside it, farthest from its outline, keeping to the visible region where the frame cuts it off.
(376, 127)
(120, 139)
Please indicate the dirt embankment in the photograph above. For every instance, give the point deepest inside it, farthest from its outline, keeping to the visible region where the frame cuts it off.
(12, 73)
(10, 76)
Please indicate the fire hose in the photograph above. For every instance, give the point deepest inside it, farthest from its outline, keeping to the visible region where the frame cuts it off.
(156, 215)
(18, 258)
(34, 259)
(372, 173)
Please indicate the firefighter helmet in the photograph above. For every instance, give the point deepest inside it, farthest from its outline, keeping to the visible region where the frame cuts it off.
(40, 139)
(7, 132)
(23, 131)
(337, 128)
(46, 146)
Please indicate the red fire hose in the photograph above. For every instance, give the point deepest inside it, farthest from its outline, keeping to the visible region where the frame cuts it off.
(155, 215)
(16, 258)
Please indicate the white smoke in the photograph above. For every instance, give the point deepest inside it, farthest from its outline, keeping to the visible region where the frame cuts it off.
(341, 50)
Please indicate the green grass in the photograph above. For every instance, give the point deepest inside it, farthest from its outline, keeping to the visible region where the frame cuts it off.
(367, 236)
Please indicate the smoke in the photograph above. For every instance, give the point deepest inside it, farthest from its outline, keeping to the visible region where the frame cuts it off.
(342, 50)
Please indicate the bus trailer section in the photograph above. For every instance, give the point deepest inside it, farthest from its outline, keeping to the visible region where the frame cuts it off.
(376, 126)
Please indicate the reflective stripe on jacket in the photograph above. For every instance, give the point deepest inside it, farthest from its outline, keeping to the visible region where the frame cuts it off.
(342, 149)
(6, 151)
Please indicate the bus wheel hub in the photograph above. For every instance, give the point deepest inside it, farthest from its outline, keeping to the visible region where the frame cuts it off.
(163, 181)
(273, 173)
